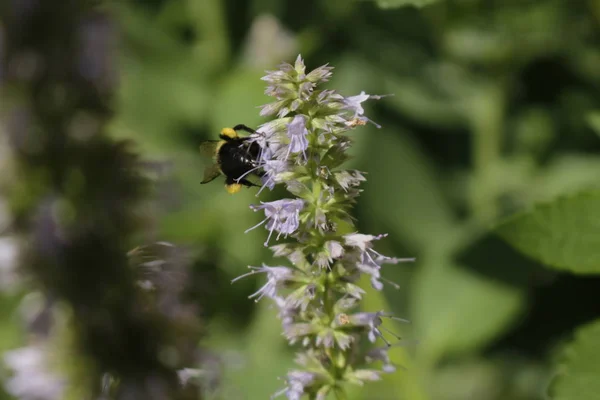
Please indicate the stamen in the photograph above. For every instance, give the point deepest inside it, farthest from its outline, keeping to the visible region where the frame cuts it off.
(394, 284)
(378, 332)
(254, 271)
(239, 178)
(391, 333)
(266, 243)
(257, 225)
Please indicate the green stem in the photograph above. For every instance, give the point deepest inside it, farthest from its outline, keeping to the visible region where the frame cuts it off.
(212, 49)
(340, 393)
(486, 109)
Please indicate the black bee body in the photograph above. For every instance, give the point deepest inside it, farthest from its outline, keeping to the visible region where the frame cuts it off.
(235, 157)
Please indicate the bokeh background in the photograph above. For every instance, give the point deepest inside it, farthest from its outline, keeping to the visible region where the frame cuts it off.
(493, 108)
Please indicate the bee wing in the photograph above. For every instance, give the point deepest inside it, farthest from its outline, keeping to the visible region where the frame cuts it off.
(210, 173)
(208, 148)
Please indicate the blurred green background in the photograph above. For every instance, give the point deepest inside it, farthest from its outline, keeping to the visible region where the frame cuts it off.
(493, 109)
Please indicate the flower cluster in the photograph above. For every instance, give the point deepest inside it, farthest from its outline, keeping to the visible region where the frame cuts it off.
(317, 296)
(33, 375)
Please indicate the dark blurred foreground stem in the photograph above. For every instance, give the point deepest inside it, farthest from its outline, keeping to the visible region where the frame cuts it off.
(77, 191)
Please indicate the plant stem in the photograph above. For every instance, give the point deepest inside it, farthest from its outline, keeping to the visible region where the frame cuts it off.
(486, 114)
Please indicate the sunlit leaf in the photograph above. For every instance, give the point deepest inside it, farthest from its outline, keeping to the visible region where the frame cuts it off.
(568, 173)
(564, 234)
(578, 378)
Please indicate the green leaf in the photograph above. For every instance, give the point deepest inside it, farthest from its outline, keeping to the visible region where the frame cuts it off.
(405, 384)
(594, 121)
(566, 173)
(237, 100)
(266, 356)
(507, 265)
(564, 234)
(402, 192)
(11, 335)
(452, 310)
(403, 3)
(578, 378)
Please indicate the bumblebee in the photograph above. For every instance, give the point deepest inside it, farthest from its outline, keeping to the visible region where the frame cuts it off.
(234, 156)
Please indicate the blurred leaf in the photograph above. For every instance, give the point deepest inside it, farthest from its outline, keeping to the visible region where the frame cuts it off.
(454, 310)
(406, 383)
(594, 121)
(515, 33)
(164, 84)
(402, 191)
(467, 379)
(353, 74)
(424, 100)
(238, 99)
(567, 173)
(11, 334)
(216, 218)
(507, 265)
(263, 353)
(208, 19)
(534, 130)
(403, 3)
(578, 378)
(564, 234)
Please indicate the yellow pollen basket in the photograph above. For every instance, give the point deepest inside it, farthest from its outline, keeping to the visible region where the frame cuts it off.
(229, 133)
(233, 188)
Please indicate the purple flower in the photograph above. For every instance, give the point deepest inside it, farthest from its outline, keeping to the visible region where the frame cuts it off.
(272, 168)
(281, 216)
(33, 377)
(354, 103)
(381, 354)
(297, 132)
(301, 297)
(296, 382)
(370, 261)
(287, 313)
(373, 321)
(370, 320)
(276, 277)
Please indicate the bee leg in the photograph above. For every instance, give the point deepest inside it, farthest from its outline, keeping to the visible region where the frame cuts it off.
(247, 183)
(242, 127)
(233, 188)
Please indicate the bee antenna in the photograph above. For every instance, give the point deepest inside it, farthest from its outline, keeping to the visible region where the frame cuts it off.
(242, 127)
